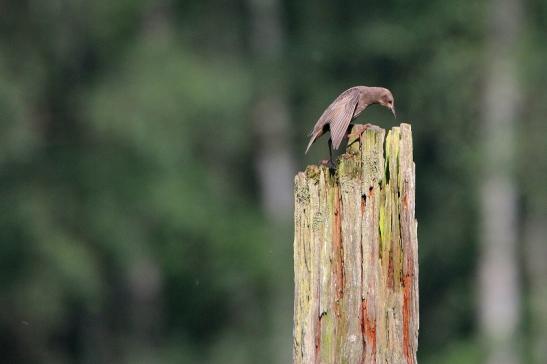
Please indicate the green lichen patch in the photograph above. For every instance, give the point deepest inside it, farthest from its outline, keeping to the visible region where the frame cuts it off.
(312, 172)
(349, 166)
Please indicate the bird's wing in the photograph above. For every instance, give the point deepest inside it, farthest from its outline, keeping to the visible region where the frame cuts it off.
(340, 113)
(318, 128)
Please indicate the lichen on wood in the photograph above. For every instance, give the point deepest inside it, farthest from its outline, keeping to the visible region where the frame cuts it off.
(356, 254)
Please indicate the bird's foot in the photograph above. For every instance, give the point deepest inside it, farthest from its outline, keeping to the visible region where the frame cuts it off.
(328, 163)
(372, 127)
(356, 130)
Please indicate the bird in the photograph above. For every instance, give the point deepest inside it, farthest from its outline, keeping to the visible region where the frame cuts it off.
(346, 107)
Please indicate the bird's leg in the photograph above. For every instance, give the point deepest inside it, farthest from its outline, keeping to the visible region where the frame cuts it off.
(350, 129)
(331, 162)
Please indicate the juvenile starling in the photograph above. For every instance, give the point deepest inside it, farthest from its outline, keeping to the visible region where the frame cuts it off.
(349, 105)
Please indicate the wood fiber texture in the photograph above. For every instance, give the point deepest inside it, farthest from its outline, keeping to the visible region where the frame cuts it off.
(356, 254)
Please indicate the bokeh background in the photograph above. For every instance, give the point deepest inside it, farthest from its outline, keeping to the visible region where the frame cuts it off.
(147, 155)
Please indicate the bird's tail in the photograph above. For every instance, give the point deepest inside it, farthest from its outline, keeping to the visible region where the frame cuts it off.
(313, 137)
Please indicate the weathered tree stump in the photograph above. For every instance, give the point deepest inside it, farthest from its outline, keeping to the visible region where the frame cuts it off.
(356, 254)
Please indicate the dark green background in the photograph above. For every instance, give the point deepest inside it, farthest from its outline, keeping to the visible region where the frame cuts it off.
(131, 226)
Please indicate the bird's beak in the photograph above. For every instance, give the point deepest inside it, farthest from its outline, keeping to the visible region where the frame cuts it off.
(393, 111)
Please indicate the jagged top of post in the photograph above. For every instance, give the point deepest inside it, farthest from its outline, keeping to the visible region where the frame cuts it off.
(357, 139)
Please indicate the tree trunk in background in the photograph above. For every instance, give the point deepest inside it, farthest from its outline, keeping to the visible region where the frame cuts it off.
(274, 162)
(536, 253)
(273, 159)
(533, 173)
(356, 255)
(499, 291)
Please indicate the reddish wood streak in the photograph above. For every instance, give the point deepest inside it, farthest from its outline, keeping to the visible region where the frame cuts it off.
(368, 328)
(408, 352)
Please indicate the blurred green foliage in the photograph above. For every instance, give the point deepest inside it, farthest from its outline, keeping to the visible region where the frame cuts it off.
(131, 228)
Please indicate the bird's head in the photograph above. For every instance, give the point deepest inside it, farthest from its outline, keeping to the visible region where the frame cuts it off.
(386, 99)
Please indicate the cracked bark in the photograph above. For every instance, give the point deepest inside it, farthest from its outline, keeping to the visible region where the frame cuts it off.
(356, 254)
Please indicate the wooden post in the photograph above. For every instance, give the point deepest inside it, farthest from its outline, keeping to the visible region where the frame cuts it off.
(356, 254)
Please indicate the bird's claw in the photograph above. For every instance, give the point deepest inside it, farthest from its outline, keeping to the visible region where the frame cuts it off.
(329, 164)
(372, 127)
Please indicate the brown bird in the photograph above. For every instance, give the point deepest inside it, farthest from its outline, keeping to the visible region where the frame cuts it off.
(348, 106)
